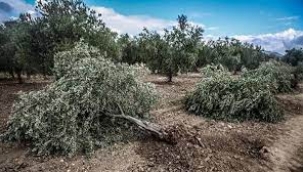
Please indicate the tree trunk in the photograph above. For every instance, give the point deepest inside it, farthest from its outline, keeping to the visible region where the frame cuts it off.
(44, 69)
(28, 75)
(195, 69)
(170, 77)
(12, 74)
(44, 72)
(44, 76)
(20, 81)
(295, 82)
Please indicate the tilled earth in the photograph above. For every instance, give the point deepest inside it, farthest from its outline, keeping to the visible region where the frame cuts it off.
(200, 144)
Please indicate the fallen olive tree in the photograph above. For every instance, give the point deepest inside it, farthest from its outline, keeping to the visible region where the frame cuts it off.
(220, 96)
(280, 76)
(93, 103)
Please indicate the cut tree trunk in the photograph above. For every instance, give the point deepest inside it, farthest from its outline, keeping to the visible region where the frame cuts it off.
(152, 128)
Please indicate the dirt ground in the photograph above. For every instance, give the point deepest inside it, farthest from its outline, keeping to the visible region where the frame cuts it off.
(201, 144)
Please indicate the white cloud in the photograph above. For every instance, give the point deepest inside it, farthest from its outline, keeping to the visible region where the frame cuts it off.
(209, 37)
(212, 28)
(133, 24)
(265, 13)
(199, 15)
(278, 42)
(4, 16)
(19, 6)
(289, 18)
(288, 23)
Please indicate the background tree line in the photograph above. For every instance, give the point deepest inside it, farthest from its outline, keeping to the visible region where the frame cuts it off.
(28, 45)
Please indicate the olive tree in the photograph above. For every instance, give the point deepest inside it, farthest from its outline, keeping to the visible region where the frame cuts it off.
(231, 53)
(175, 51)
(293, 56)
(14, 46)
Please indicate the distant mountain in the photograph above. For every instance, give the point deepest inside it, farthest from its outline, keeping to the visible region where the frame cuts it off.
(273, 53)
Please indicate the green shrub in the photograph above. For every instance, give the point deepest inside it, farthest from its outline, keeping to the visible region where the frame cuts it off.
(72, 114)
(299, 72)
(224, 98)
(278, 75)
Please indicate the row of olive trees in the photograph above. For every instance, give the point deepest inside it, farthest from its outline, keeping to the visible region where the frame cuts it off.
(182, 49)
(231, 53)
(293, 57)
(169, 53)
(28, 45)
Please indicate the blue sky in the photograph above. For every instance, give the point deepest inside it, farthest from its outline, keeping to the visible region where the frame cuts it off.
(230, 17)
(275, 24)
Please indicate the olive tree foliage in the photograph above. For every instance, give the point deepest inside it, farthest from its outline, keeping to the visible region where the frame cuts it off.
(231, 53)
(129, 48)
(298, 72)
(174, 51)
(28, 44)
(68, 20)
(76, 113)
(6, 52)
(293, 56)
(65, 61)
(180, 49)
(221, 97)
(14, 46)
(42, 46)
(278, 75)
(64, 22)
(251, 56)
(152, 49)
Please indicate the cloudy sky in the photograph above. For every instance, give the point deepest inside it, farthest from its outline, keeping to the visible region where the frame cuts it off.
(274, 24)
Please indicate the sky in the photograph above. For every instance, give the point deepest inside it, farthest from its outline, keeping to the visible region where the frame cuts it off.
(276, 25)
